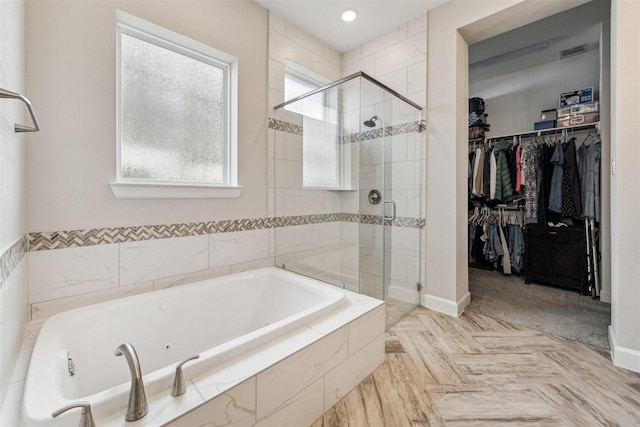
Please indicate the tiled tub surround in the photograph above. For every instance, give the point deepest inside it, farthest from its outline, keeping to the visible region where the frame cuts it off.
(69, 269)
(291, 380)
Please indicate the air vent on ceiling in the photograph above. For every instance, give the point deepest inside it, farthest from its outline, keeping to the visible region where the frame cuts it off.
(577, 50)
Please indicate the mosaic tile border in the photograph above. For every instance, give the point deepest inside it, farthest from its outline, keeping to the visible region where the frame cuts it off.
(12, 257)
(409, 127)
(102, 236)
(284, 126)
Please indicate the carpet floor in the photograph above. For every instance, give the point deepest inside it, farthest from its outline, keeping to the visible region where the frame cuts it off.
(557, 311)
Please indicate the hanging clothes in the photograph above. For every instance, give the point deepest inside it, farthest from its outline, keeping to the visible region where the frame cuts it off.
(492, 175)
(504, 188)
(486, 176)
(516, 247)
(589, 157)
(571, 202)
(477, 185)
(533, 178)
(555, 193)
(519, 169)
(476, 163)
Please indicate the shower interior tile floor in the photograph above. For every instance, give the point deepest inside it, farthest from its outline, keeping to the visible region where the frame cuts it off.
(478, 370)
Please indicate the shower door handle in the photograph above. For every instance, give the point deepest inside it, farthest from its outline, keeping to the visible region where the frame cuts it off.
(393, 210)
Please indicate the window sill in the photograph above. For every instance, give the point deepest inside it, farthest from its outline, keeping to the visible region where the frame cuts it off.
(136, 190)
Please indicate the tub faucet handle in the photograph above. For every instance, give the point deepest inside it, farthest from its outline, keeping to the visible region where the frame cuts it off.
(86, 419)
(179, 386)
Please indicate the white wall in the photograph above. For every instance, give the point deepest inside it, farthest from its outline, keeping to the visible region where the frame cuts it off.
(624, 332)
(13, 290)
(71, 72)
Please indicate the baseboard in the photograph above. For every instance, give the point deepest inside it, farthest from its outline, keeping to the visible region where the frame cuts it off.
(447, 306)
(623, 357)
(605, 296)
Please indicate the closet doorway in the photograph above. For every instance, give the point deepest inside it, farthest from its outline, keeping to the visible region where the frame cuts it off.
(516, 80)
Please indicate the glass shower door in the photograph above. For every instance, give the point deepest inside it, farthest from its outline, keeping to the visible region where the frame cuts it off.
(391, 201)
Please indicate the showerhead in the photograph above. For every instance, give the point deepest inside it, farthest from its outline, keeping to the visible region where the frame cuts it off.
(371, 123)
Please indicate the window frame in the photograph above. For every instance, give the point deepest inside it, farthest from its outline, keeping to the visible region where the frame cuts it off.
(157, 188)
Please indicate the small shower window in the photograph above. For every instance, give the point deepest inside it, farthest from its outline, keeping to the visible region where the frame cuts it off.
(320, 148)
(176, 108)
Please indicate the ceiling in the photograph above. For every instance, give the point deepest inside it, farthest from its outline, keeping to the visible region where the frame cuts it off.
(321, 18)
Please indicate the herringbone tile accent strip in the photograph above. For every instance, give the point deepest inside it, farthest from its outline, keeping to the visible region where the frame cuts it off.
(102, 236)
(410, 127)
(12, 257)
(285, 126)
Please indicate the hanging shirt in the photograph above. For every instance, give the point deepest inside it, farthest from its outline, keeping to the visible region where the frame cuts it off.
(532, 179)
(492, 176)
(477, 185)
(504, 188)
(589, 171)
(518, 169)
(571, 201)
(555, 192)
(476, 162)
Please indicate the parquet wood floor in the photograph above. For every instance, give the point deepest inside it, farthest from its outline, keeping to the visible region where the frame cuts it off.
(478, 371)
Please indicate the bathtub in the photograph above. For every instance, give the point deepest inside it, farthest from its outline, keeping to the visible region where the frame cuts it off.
(220, 319)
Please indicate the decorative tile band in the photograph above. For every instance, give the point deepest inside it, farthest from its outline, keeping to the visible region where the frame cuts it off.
(11, 258)
(410, 127)
(285, 126)
(101, 236)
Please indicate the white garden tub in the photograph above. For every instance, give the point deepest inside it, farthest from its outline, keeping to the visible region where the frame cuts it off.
(218, 319)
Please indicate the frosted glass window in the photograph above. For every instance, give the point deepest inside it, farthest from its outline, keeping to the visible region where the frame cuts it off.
(174, 113)
(320, 149)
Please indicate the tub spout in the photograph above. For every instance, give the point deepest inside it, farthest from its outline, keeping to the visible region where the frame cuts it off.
(137, 407)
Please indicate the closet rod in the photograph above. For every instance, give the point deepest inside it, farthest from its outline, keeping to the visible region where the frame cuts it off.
(540, 132)
(22, 128)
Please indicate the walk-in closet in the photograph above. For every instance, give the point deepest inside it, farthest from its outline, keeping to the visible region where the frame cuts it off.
(538, 188)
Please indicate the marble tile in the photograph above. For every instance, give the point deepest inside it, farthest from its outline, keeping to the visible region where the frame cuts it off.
(401, 55)
(289, 174)
(235, 407)
(348, 374)
(385, 41)
(297, 35)
(237, 247)
(276, 75)
(45, 309)
(185, 279)
(365, 329)
(155, 259)
(281, 48)
(417, 78)
(279, 383)
(67, 272)
(301, 410)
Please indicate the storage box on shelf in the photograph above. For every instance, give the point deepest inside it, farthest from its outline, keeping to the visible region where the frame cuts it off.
(579, 114)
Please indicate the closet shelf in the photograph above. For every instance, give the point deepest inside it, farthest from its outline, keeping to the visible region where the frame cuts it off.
(541, 132)
(18, 127)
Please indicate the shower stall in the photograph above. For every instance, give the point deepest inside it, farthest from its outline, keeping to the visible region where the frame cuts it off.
(346, 189)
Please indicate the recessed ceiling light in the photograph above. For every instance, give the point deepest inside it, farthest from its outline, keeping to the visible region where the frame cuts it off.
(349, 15)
